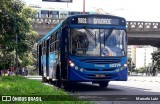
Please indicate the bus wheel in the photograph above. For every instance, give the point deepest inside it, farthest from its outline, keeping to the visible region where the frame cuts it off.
(50, 81)
(103, 84)
(44, 79)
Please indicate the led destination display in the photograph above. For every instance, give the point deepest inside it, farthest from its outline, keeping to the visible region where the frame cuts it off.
(98, 20)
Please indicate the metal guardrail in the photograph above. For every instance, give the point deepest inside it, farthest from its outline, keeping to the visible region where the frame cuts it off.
(143, 26)
(51, 21)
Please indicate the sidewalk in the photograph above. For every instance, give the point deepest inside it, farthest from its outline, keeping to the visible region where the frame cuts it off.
(145, 78)
(34, 77)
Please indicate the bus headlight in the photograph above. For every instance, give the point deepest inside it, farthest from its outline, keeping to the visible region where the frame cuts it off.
(71, 64)
(125, 65)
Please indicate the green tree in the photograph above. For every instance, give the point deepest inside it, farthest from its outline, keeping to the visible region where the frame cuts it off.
(130, 63)
(156, 58)
(16, 31)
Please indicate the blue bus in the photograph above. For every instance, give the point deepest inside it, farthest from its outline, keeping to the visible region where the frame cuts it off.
(85, 48)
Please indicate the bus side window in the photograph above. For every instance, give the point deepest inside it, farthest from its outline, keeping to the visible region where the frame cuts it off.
(56, 42)
(52, 40)
(44, 47)
(50, 50)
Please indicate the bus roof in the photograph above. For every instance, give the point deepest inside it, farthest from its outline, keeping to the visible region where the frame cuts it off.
(70, 18)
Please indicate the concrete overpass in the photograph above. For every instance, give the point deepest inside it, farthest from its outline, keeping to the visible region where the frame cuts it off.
(139, 32)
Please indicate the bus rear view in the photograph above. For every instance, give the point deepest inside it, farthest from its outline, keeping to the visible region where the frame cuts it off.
(98, 49)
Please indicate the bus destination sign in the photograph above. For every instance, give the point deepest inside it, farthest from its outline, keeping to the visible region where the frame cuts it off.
(102, 21)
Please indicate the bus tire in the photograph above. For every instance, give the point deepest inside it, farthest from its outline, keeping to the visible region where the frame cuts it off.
(103, 84)
(50, 81)
(44, 79)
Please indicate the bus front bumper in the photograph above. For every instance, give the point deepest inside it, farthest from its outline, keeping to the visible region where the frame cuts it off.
(89, 76)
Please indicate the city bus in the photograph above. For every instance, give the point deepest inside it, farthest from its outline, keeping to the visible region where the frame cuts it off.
(84, 48)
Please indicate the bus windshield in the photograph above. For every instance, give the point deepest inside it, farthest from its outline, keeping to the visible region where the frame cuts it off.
(98, 42)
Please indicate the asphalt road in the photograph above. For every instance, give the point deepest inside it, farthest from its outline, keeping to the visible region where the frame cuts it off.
(136, 86)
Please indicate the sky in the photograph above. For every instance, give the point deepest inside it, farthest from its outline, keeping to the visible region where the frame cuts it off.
(132, 10)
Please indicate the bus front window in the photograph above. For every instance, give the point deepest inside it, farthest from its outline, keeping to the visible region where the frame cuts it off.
(98, 42)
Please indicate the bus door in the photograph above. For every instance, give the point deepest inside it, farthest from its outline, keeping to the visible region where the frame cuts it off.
(53, 56)
(52, 62)
(47, 57)
(64, 49)
(44, 58)
(39, 54)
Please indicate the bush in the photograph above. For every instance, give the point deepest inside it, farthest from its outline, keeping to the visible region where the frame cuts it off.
(32, 70)
(141, 70)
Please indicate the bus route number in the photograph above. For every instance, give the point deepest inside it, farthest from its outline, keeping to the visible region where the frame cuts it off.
(82, 20)
(115, 65)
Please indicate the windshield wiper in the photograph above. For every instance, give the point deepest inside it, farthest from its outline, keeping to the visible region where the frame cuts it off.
(89, 32)
(106, 37)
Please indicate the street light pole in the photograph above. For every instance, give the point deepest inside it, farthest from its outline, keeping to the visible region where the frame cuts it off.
(131, 66)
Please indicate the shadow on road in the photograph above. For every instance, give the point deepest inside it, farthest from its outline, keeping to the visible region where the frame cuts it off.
(83, 87)
(98, 95)
(94, 89)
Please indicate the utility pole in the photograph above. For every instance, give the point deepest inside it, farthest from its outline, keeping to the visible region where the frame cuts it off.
(83, 6)
(131, 66)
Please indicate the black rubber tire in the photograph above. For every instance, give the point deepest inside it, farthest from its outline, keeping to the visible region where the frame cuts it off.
(44, 79)
(50, 81)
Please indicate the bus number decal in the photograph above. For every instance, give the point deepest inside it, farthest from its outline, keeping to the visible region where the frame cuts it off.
(82, 20)
(115, 65)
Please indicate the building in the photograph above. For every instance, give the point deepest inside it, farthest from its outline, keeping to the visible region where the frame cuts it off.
(144, 56)
(141, 55)
(132, 52)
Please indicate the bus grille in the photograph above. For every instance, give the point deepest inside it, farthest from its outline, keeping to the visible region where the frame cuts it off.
(101, 61)
(88, 69)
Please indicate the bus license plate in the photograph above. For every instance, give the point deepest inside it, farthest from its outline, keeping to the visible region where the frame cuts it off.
(100, 75)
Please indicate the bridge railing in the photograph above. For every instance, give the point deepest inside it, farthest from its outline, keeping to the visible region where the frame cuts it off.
(47, 20)
(141, 25)
(131, 25)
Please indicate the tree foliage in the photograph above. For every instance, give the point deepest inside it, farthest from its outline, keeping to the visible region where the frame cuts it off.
(16, 31)
(131, 64)
(156, 57)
